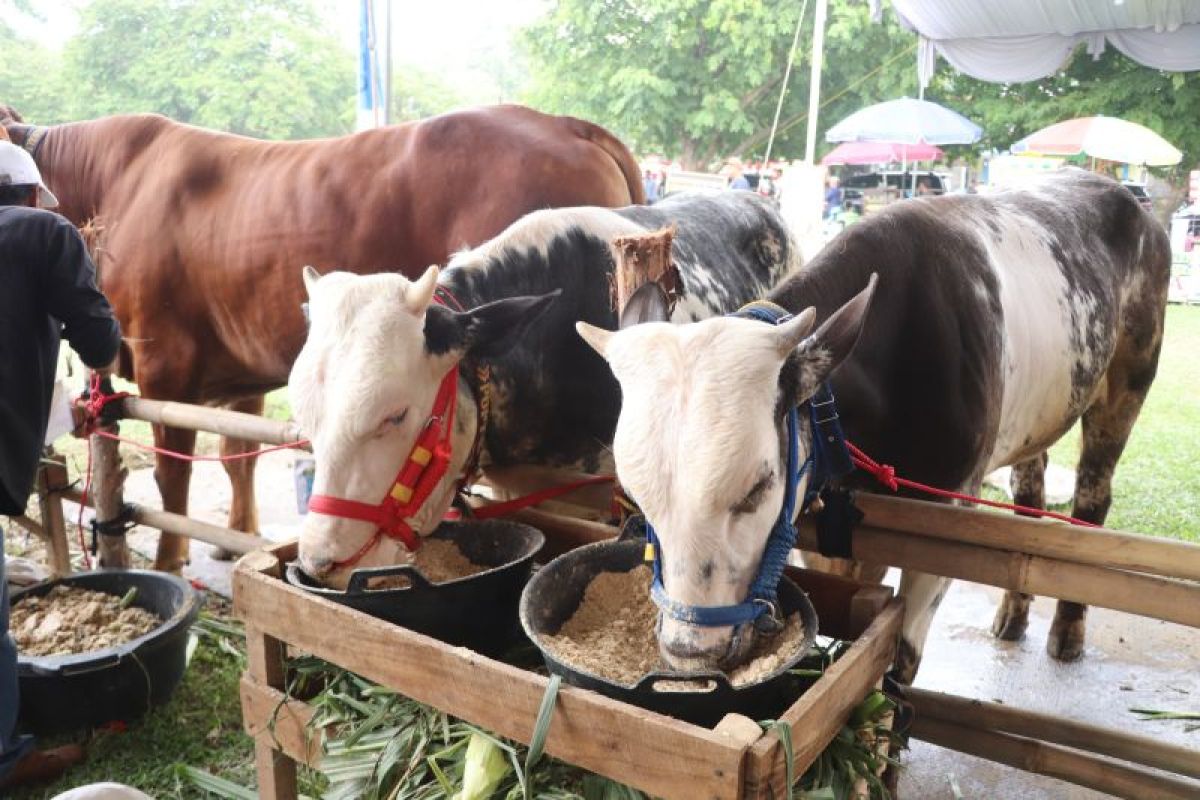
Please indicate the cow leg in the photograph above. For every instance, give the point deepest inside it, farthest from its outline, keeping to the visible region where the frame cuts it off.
(243, 510)
(1028, 484)
(1106, 427)
(922, 595)
(173, 476)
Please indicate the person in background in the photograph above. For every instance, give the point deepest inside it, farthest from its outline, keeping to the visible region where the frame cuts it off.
(650, 186)
(49, 292)
(740, 181)
(924, 189)
(833, 197)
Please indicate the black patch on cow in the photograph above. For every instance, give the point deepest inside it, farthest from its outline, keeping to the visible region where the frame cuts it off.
(442, 331)
(555, 401)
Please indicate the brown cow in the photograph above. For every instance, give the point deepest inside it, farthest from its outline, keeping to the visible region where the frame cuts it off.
(205, 232)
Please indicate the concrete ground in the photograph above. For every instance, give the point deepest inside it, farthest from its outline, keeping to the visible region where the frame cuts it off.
(1130, 662)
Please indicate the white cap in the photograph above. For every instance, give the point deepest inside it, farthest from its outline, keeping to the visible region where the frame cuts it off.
(17, 169)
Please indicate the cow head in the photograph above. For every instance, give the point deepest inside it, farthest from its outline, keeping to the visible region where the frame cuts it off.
(701, 446)
(363, 388)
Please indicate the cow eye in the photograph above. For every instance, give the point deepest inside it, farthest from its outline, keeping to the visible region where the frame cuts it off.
(750, 502)
(394, 421)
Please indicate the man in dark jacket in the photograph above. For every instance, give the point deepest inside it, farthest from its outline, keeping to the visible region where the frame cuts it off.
(47, 291)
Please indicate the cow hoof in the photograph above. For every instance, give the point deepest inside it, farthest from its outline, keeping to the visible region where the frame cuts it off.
(1010, 622)
(907, 661)
(1066, 639)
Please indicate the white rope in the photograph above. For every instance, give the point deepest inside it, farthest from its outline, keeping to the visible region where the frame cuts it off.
(783, 89)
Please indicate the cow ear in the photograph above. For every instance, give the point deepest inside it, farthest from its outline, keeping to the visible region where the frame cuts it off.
(487, 331)
(597, 338)
(815, 359)
(648, 304)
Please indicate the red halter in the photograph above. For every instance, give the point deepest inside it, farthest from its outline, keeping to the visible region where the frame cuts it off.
(416, 480)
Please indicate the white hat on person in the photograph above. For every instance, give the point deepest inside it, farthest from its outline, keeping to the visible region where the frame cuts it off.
(18, 169)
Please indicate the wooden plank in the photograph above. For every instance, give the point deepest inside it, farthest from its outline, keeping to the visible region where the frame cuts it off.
(1147, 595)
(232, 540)
(280, 721)
(1093, 738)
(1096, 546)
(1055, 761)
(657, 754)
(844, 607)
(52, 479)
(236, 424)
(819, 713)
(265, 664)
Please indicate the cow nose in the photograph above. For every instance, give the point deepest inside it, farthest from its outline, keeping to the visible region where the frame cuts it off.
(316, 567)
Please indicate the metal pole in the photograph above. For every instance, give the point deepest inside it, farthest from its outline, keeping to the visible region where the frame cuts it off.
(814, 86)
(787, 74)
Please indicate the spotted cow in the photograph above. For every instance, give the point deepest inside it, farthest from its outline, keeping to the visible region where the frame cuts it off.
(993, 324)
(366, 380)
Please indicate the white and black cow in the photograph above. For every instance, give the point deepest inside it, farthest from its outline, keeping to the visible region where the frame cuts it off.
(365, 382)
(995, 323)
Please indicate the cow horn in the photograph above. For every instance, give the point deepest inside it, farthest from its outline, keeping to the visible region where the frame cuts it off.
(420, 292)
(792, 333)
(598, 338)
(311, 276)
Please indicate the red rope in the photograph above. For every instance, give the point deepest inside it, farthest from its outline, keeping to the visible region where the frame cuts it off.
(184, 457)
(886, 475)
(519, 503)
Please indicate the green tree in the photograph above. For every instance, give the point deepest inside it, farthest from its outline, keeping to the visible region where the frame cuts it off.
(418, 93)
(265, 68)
(699, 79)
(29, 77)
(1113, 85)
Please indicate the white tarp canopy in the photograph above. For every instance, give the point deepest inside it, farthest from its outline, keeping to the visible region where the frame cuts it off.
(1023, 40)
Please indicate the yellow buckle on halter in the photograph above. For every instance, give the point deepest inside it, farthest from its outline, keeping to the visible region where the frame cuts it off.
(648, 555)
(421, 455)
(402, 493)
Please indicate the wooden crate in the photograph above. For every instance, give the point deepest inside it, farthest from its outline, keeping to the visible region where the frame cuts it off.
(660, 755)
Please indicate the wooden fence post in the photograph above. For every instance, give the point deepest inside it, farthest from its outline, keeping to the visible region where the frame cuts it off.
(640, 259)
(108, 481)
(51, 479)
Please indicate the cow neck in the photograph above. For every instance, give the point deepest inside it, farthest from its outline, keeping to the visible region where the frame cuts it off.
(479, 396)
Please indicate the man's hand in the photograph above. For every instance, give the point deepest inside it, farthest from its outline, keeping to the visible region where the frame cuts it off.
(109, 369)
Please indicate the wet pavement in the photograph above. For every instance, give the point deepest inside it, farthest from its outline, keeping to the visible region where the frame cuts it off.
(1130, 662)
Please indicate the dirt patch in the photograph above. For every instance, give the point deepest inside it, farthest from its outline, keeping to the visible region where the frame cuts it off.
(611, 634)
(69, 620)
(439, 561)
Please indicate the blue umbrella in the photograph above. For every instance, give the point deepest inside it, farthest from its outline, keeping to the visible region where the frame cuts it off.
(906, 121)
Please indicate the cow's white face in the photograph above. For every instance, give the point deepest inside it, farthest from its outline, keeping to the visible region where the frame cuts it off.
(362, 390)
(701, 446)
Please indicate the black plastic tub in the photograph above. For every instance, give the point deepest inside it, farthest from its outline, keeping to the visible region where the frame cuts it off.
(478, 611)
(556, 591)
(66, 693)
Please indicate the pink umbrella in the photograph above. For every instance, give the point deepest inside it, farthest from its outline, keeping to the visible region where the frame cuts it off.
(880, 153)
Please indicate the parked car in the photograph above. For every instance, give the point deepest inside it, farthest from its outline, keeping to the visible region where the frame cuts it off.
(902, 182)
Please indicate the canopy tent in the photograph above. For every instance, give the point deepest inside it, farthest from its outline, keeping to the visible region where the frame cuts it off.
(1023, 40)
(1107, 138)
(880, 153)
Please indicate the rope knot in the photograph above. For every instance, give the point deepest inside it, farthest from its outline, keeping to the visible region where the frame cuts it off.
(886, 474)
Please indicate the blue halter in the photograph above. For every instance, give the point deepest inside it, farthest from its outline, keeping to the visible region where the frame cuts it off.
(827, 460)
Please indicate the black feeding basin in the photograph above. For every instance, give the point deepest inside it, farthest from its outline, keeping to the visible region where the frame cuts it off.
(555, 592)
(477, 611)
(69, 692)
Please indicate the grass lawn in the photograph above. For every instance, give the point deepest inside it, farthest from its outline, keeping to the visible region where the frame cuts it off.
(1157, 485)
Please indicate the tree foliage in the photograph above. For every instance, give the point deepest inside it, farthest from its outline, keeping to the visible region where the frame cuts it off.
(264, 68)
(699, 79)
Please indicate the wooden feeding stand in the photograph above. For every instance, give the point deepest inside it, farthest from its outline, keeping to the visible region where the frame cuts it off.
(657, 754)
